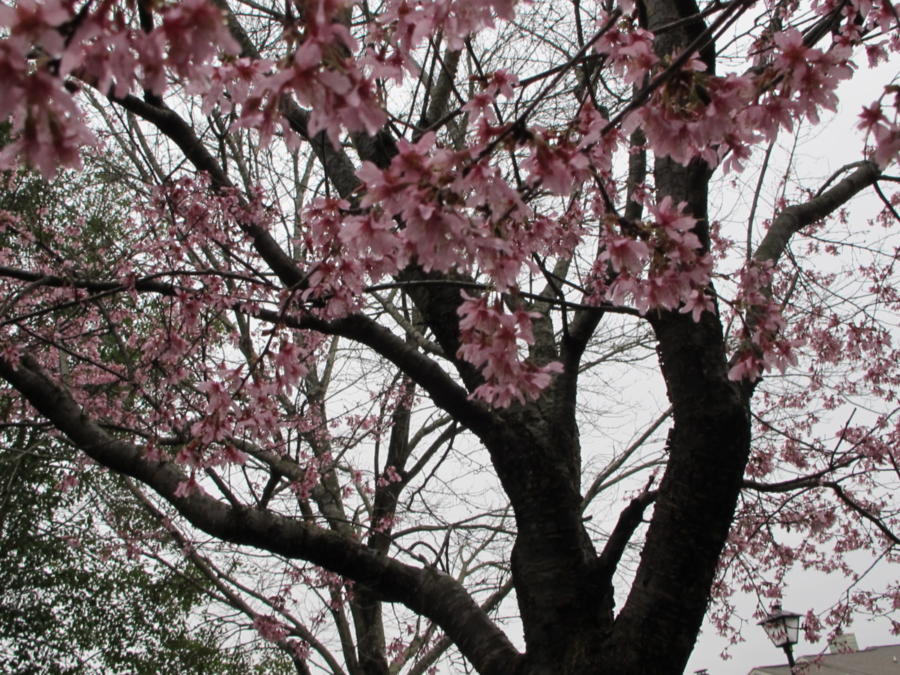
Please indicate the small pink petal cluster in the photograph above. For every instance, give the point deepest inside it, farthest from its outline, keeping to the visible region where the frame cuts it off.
(195, 32)
(885, 132)
(490, 341)
(677, 271)
(598, 142)
(270, 628)
(404, 24)
(289, 362)
(628, 48)
(415, 188)
(339, 589)
(188, 487)
(762, 344)
(456, 19)
(218, 420)
(304, 488)
(809, 77)
(450, 221)
(323, 76)
(481, 104)
(384, 524)
(694, 114)
(343, 254)
(390, 476)
(47, 125)
(557, 167)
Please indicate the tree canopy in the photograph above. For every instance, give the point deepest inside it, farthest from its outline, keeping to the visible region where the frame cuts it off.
(381, 274)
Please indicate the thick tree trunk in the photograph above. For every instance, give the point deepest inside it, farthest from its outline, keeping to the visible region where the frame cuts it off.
(565, 609)
(708, 448)
(551, 562)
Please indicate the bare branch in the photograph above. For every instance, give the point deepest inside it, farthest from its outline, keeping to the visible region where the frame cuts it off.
(794, 218)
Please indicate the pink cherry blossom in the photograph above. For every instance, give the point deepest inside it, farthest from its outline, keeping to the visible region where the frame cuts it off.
(204, 23)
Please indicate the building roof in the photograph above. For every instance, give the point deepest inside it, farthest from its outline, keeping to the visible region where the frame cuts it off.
(883, 660)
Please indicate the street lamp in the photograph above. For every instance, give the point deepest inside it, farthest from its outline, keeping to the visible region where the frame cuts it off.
(783, 629)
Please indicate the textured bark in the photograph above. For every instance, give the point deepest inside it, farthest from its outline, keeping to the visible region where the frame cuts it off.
(708, 448)
(708, 444)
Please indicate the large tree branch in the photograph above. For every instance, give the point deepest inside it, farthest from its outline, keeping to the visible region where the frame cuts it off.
(217, 578)
(435, 595)
(794, 218)
(708, 447)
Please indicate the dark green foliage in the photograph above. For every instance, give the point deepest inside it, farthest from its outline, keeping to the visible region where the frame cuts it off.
(71, 600)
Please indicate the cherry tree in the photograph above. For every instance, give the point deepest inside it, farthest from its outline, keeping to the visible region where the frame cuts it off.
(388, 268)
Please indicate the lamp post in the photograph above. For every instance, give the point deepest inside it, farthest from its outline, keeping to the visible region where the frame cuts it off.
(783, 629)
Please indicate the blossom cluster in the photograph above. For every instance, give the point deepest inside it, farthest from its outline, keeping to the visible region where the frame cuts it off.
(102, 49)
(490, 341)
(97, 48)
(693, 113)
(762, 343)
(660, 266)
(882, 129)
